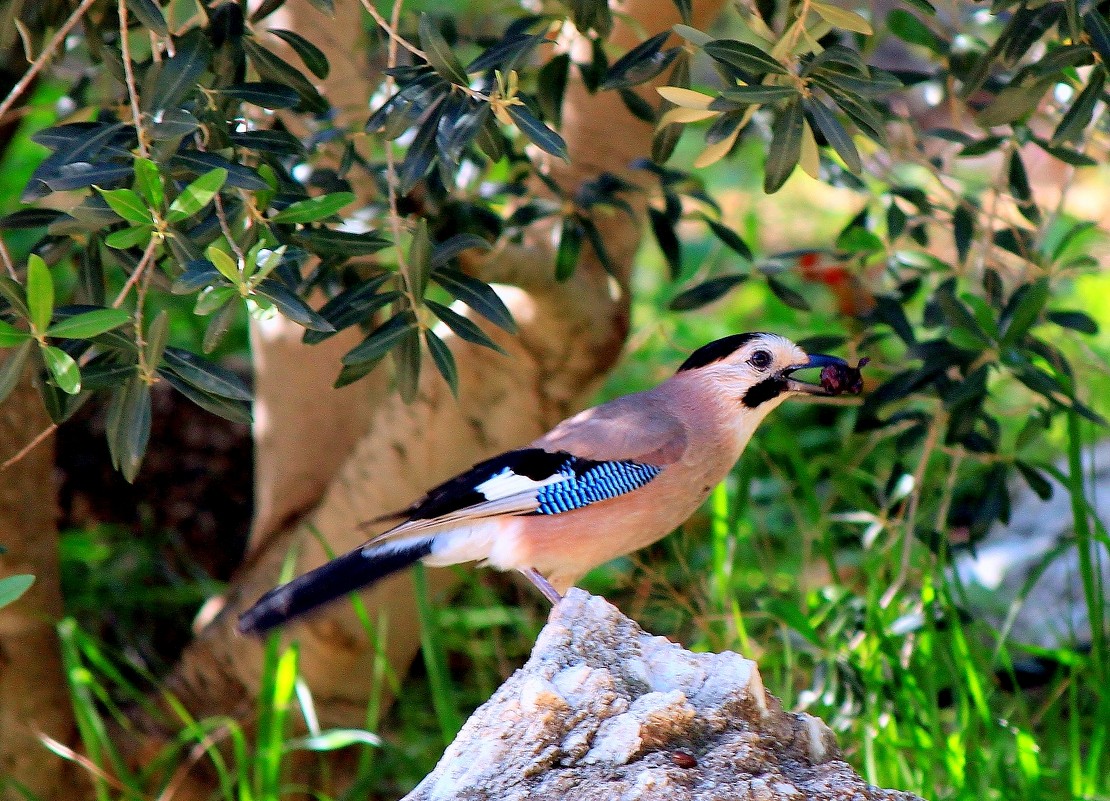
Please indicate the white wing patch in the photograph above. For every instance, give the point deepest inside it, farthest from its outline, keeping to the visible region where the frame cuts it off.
(507, 483)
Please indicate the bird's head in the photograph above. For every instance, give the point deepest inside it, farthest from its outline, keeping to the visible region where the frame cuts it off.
(758, 369)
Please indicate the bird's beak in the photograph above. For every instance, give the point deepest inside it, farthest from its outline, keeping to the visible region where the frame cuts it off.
(815, 360)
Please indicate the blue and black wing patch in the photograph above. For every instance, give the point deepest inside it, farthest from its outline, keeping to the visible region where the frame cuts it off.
(586, 481)
(560, 482)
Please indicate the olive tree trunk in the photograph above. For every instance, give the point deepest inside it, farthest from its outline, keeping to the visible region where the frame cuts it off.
(33, 696)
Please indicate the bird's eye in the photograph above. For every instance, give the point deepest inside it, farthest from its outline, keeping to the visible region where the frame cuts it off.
(760, 359)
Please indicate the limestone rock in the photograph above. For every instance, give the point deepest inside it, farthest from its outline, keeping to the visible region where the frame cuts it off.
(604, 711)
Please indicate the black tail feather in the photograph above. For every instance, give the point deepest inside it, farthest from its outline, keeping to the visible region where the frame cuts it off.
(347, 573)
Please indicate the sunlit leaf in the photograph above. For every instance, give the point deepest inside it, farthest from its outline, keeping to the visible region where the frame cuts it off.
(89, 324)
(63, 368)
(40, 293)
(314, 208)
(197, 195)
(127, 204)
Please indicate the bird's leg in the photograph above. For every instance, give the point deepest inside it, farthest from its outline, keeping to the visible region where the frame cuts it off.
(542, 584)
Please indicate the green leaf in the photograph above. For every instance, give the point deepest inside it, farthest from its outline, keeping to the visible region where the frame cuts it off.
(128, 426)
(1098, 29)
(218, 325)
(785, 148)
(757, 93)
(129, 237)
(291, 306)
(329, 242)
(706, 292)
(863, 114)
(235, 411)
(314, 208)
(272, 68)
(178, 77)
(439, 53)
(382, 339)
(12, 368)
(838, 138)
(957, 315)
(1035, 479)
(963, 230)
(570, 247)
(89, 324)
(127, 204)
(477, 295)
(444, 252)
(10, 335)
(463, 327)
(1023, 311)
(419, 258)
(1078, 116)
(842, 18)
(148, 182)
(909, 28)
(150, 15)
(1075, 320)
(444, 361)
(265, 94)
(197, 195)
(663, 230)
(730, 238)
(744, 56)
(538, 134)
(206, 376)
(225, 264)
(640, 64)
(790, 297)
(156, 337)
(40, 293)
(12, 587)
(213, 298)
(312, 56)
(63, 368)
(1013, 103)
(406, 363)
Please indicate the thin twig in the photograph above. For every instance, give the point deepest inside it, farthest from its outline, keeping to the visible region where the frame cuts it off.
(129, 79)
(395, 222)
(148, 254)
(7, 257)
(221, 215)
(44, 56)
(41, 437)
(390, 29)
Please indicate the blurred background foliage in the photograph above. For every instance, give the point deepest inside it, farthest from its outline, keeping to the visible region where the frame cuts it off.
(947, 219)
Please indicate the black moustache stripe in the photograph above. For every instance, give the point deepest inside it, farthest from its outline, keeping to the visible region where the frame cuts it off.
(765, 390)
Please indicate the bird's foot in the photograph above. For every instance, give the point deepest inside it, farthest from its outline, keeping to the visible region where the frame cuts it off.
(542, 584)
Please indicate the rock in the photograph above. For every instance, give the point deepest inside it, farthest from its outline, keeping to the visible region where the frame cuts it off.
(603, 710)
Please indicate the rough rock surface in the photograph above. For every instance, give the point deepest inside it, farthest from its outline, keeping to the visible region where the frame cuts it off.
(604, 711)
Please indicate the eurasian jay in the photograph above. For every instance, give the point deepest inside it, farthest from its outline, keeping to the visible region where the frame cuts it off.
(606, 482)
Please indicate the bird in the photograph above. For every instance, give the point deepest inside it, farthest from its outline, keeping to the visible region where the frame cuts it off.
(606, 482)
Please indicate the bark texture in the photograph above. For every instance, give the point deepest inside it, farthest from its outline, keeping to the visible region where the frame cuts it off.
(33, 696)
(603, 710)
(329, 460)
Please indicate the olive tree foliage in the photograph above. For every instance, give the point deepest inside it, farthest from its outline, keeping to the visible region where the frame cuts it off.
(173, 175)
